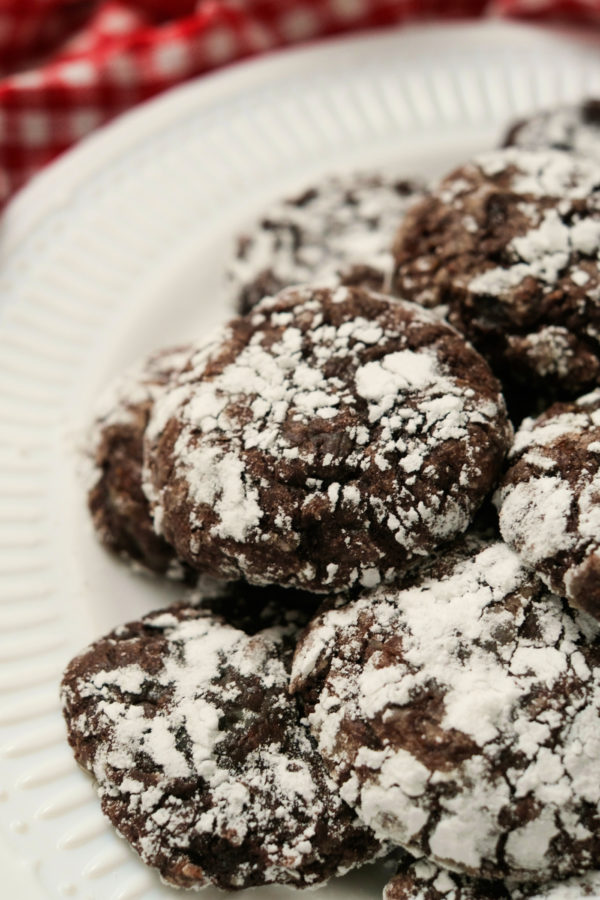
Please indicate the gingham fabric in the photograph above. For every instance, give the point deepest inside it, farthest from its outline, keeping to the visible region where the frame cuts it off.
(68, 66)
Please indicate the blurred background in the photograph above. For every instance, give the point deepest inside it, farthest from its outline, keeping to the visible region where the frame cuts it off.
(69, 66)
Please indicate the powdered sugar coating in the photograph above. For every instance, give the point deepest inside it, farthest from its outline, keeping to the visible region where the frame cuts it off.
(200, 758)
(549, 499)
(423, 880)
(116, 500)
(574, 128)
(523, 284)
(329, 439)
(339, 231)
(459, 715)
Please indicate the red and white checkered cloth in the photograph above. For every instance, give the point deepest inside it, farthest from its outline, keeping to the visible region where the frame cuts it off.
(68, 66)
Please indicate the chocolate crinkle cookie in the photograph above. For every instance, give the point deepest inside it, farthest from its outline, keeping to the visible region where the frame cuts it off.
(328, 440)
(507, 247)
(423, 880)
(549, 499)
(116, 500)
(575, 128)
(340, 230)
(200, 758)
(459, 716)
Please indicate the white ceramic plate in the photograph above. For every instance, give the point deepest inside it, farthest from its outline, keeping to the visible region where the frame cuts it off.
(119, 248)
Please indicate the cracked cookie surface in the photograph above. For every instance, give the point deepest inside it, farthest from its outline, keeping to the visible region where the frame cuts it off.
(575, 128)
(459, 715)
(328, 440)
(508, 247)
(340, 231)
(423, 880)
(549, 500)
(200, 758)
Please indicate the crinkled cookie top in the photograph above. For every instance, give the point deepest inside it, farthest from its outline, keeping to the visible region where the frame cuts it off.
(200, 758)
(508, 246)
(575, 128)
(549, 499)
(459, 715)
(338, 231)
(326, 440)
(423, 880)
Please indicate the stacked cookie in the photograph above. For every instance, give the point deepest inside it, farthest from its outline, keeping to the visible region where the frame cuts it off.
(375, 666)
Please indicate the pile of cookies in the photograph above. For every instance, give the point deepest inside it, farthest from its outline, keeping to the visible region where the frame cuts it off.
(380, 484)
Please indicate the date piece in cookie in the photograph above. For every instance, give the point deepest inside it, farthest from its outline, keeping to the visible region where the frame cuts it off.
(200, 758)
(549, 499)
(575, 128)
(116, 499)
(331, 438)
(339, 231)
(423, 880)
(508, 245)
(459, 715)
